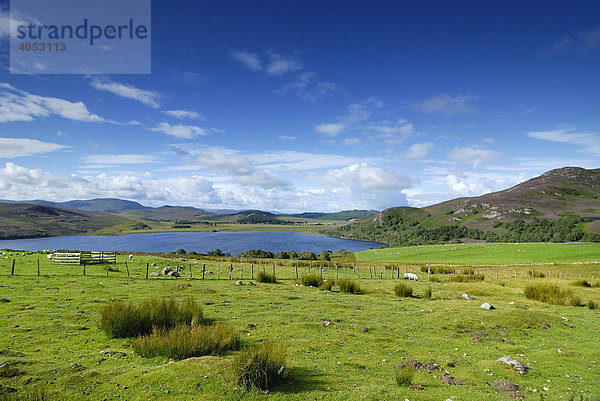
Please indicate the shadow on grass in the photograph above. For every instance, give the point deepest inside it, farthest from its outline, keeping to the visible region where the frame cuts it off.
(301, 380)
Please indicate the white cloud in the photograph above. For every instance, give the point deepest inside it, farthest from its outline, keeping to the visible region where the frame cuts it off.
(12, 20)
(290, 160)
(591, 38)
(248, 59)
(180, 130)
(418, 150)
(287, 137)
(475, 184)
(351, 141)
(19, 183)
(446, 104)
(307, 88)
(330, 130)
(149, 98)
(18, 105)
(236, 166)
(112, 160)
(281, 64)
(474, 156)
(20, 147)
(181, 114)
(589, 141)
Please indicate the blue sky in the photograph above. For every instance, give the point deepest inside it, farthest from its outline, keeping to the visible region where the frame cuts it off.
(314, 106)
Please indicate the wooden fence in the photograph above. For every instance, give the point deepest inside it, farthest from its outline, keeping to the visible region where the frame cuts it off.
(79, 258)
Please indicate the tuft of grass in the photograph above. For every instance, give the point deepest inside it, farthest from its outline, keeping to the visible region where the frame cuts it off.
(311, 280)
(327, 285)
(348, 286)
(26, 393)
(437, 269)
(120, 320)
(404, 376)
(592, 305)
(435, 279)
(264, 277)
(537, 274)
(403, 290)
(260, 367)
(182, 341)
(551, 294)
(427, 293)
(466, 278)
(586, 284)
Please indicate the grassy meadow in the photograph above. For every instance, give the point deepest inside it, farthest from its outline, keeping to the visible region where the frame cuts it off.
(341, 346)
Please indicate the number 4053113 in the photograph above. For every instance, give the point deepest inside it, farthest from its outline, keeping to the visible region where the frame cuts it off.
(43, 47)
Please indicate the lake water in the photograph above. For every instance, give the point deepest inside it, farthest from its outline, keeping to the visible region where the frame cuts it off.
(201, 242)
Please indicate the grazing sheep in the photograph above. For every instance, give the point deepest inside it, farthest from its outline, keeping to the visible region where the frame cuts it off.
(49, 256)
(130, 257)
(411, 276)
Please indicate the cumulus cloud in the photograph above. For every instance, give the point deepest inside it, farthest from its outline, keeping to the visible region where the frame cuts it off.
(180, 130)
(149, 98)
(18, 105)
(236, 166)
(20, 147)
(330, 130)
(418, 150)
(181, 114)
(18, 182)
(306, 87)
(474, 156)
(446, 104)
(248, 59)
(588, 141)
(475, 184)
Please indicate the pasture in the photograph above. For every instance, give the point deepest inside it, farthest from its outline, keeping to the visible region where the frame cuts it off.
(341, 346)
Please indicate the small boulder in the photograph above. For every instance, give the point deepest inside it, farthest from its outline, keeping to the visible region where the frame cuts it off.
(516, 365)
(155, 274)
(467, 296)
(239, 282)
(487, 306)
(173, 273)
(166, 271)
(364, 330)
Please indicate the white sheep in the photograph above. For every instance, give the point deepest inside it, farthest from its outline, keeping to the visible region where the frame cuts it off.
(130, 257)
(411, 276)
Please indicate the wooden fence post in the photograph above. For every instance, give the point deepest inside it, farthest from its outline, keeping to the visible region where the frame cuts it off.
(242, 272)
(127, 267)
(84, 267)
(218, 270)
(296, 270)
(428, 271)
(370, 272)
(38, 267)
(147, 267)
(12, 272)
(273, 270)
(252, 271)
(336, 271)
(230, 270)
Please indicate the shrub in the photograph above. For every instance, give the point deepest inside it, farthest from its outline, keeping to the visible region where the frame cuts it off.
(120, 319)
(311, 280)
(404, 376)
(327, 285)
(582, 283)
(435, 279)
(348, 286)
(437, 269)
(552, 294)
(592, 305)
(427, 293)
(403, 290)
(183, 342)
(537, 274)
(112, 268)
(260, 367)
(264, 277)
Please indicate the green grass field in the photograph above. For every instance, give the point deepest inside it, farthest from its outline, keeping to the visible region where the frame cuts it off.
(492, 253)
(342, 346)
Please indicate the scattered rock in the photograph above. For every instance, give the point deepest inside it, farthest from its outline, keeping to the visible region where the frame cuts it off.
(451, 380)
(75, 366)
(173, 273)
(251, 326)
(516, 365)
(364, 330)
(250, 283)
(414, 364)
(415, 386)
(208, 303)
(476, 339)
(4, 300)
(450, 365)
(155, 274)
(510, 342)
(166, 271)
(467, 296)
(109, 352)
(487, 306)
(239, 282)
(560, 351)
(326, 322)
(452, 335)
(506, 385)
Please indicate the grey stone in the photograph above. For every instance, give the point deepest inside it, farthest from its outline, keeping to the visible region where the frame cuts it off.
(166, 271)
(110, 352)
(155, 274)
(487, 306)
(516, 365)
(173, 273)
(239, 282)
(467, 296)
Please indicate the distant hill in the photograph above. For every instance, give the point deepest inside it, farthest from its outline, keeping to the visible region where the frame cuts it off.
(345, 215)
(560, 205)
(24, 220)
(170, 213)
(102, 205)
